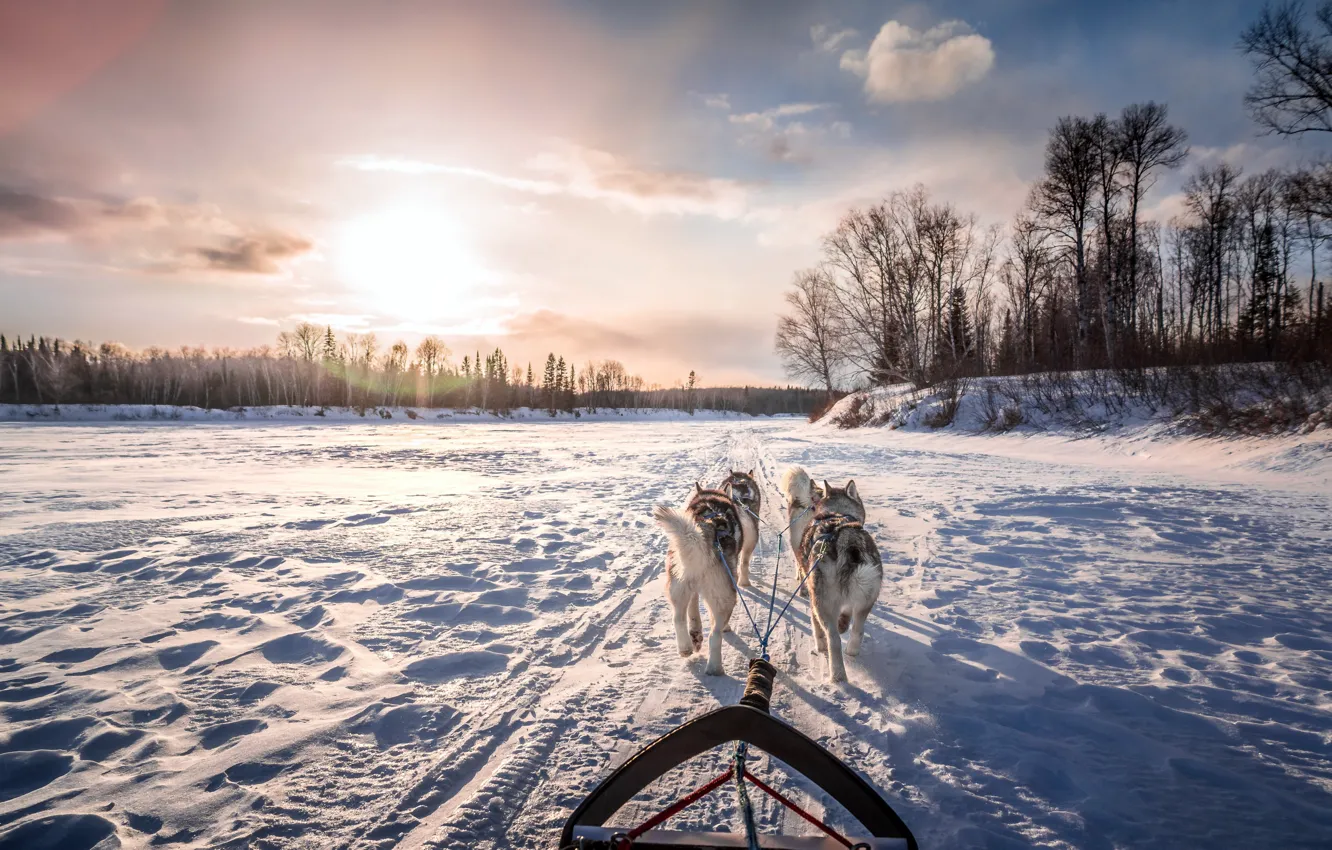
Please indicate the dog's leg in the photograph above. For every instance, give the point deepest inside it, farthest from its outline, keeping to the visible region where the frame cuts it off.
(827, 614)
(720, 610)
(857, 629)
(680, 598)
(820, 633)
(746, 550)
(695, 623)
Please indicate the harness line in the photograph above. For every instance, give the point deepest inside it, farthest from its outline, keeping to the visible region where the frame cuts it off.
(741, 753)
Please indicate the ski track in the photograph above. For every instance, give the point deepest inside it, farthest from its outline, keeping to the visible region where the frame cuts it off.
(281, 636)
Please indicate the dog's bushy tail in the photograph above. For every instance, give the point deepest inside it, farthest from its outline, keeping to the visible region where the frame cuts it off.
(678, 527)
(797, 487)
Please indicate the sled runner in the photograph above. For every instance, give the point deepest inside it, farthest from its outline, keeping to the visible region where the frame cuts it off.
(749, 723)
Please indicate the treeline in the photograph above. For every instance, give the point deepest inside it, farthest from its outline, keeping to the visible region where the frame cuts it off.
(912, 290)
(310, 366)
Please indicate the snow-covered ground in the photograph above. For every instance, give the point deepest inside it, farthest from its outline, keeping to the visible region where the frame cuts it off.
(316, 635)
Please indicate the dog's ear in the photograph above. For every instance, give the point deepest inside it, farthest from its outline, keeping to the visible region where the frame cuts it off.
(751, 472)
(851, 489)
(826, 489)
(698, 488)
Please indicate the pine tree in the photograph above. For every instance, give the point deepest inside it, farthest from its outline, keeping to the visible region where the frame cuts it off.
(549, 386)
(330, 345)
(689, 392)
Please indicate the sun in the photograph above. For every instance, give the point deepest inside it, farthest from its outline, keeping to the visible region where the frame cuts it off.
(410, 262)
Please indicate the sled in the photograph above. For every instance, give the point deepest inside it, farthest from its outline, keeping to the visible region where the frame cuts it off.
(748, 723)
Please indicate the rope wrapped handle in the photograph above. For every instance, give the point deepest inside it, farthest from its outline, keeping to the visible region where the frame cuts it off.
(758, 687)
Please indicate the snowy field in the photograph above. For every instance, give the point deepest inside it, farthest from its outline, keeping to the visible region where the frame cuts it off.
(405, 635)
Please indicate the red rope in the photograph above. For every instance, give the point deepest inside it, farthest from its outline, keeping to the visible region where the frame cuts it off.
(679, 806)
(793, 807)
(697, 794)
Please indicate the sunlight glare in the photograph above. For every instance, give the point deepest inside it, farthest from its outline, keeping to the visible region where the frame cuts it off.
(409, 262)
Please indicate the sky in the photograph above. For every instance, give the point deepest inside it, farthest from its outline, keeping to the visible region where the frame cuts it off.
(599, 178)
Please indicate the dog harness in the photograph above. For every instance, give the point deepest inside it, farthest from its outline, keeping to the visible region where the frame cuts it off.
(821, 535)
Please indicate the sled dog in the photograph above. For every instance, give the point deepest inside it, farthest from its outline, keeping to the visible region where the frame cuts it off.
(694, 570)
(848, 572)
(744, 491)
(801, 494)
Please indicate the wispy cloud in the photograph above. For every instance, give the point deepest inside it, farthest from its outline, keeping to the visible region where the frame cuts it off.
(828, 39)
(768, 118)
(142, 234)
(262, 254)
(716, 100)
(904, 64)
(595, 175)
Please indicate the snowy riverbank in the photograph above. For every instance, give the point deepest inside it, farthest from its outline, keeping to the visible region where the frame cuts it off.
(296, 413)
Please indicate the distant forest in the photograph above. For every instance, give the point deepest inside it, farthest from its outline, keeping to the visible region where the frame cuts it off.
(914, 290)
(310, 366)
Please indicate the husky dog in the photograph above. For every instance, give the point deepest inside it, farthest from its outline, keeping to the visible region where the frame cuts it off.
(848, 572)
(744, 491)
(710, 522)
(801, 494)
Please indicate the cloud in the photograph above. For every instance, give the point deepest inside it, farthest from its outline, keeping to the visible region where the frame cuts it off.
(784, 140)
(903, 64)
(717, 100)
(24, 215)
(262, 254)
(144, 235)
(595, 175)
(768, 118)
(828, 40)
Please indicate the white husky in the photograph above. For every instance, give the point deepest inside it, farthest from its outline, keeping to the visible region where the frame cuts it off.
(694, 570)
(848, 571)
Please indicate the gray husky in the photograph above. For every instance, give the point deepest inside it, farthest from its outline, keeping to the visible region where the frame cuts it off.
(744, 491)
(848, 572)
(694, 570)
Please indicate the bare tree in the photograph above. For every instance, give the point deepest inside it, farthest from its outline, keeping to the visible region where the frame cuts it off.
(1293, 63)
(431, 353)
(1064, 201)
(1028, 276)
(307, 340)
(1109, 148)
(1149, 144)
(810, 337)
(1210, 196)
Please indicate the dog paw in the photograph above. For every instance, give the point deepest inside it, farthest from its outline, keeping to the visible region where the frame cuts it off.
(726, 628)
(837, 678)
(852, 651)
(714, 671)
(744, 582)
